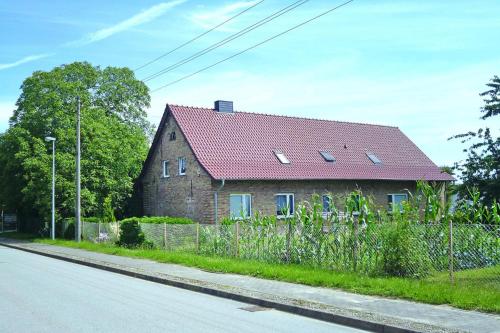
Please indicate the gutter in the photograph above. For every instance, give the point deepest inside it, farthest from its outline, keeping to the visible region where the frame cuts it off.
(216, 201)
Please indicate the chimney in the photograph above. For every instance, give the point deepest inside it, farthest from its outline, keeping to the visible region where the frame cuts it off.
(224, 106)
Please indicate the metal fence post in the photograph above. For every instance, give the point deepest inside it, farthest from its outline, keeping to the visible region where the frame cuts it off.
(450, 250)
(165, 235)
(355, 222)
(197, 238)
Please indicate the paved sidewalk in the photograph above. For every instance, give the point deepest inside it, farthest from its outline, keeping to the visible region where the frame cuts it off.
(369, 312)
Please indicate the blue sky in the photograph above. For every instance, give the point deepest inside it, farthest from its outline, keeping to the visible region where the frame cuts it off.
(416, 65)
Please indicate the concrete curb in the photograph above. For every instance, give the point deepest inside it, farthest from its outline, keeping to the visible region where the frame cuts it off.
(294, 309)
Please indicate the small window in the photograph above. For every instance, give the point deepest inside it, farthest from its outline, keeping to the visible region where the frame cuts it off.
(281, 157)
(285, 205)
(374, 158)
(165, 169)
(395, 201)
(182, 166)
(240, 206)
(327, 156)
(172, 136)
(327, 203)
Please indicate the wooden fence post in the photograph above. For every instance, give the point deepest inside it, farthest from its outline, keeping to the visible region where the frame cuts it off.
(355, 222)
(450, 250)
(288, 240)
(98, 231)
(237, 239)
(197, 238)
(165, 235)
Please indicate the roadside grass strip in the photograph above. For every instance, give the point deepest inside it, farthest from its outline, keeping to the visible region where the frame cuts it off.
(476, 289)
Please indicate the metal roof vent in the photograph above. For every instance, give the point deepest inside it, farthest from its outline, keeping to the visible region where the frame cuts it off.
(224, 106)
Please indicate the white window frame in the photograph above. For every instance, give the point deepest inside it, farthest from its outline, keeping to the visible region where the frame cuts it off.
(165, 165)
(391, 207)
(179, 166)
(287, 204)
(242, 195)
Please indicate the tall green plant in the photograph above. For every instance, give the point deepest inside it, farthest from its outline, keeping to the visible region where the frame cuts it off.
(108, 214)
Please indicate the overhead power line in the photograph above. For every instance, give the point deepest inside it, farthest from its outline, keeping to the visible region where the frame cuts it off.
(226, 40)
(253, 46)
(199, 36)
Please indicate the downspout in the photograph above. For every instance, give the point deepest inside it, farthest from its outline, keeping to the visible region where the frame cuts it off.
(216, 200)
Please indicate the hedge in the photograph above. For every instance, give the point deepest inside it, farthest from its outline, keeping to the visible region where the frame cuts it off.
(91, 219)
(159, 220)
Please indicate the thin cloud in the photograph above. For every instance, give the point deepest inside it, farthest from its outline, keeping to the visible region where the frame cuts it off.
(143, 17)
(6, 111)
(25, 60)
(207, 18)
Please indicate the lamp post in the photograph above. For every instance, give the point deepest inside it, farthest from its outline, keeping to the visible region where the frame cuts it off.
(53, 221)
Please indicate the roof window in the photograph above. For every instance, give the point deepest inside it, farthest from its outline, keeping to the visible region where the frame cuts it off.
(281, 157)
(327, 156)
(374, 158)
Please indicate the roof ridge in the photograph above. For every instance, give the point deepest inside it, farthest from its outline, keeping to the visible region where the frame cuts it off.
(288, 116)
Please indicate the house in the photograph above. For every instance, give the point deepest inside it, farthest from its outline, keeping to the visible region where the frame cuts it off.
(210, 163)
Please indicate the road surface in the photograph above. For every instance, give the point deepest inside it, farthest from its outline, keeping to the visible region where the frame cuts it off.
(40, 294)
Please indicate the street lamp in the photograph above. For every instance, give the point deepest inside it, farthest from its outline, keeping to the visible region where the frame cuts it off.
(53, 222)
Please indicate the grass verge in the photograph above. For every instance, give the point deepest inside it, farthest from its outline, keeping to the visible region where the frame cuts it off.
(477, 289)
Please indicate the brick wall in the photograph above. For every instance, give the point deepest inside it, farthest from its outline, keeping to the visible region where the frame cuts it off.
(187, 195)
(263, 192)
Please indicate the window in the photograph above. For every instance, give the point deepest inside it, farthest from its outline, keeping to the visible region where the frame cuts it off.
(374, 158)
(396, 200)
(240, 206)
(327, 156)
(284, 205)
(281, 157)
(327, 203)
(182, 166)
(165, 169)
(172, 136)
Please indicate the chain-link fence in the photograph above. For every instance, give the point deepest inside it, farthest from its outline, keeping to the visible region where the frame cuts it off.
(100, 232)
(390, 249)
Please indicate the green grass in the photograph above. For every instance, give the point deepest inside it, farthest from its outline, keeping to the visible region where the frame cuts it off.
(477, 289)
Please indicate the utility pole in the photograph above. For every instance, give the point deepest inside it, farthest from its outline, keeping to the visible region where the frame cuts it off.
(78, 225)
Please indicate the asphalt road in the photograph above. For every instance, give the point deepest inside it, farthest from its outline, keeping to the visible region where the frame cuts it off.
(40, 294)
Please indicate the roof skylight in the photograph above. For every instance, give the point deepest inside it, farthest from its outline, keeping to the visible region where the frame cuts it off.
(327, 156)
(281, 157)
(374, 158)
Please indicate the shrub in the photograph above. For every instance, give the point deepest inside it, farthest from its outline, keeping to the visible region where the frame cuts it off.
(159, 220)
(403, 251)
(108, 214)
(69, 233)
(131, 234)
(91, 219)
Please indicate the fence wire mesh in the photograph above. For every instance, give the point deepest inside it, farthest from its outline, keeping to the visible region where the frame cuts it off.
(100, 232)
(408, 250)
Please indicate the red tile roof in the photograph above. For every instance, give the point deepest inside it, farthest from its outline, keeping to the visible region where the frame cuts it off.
(241, 145)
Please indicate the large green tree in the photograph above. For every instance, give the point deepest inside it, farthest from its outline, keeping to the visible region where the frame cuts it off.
(481, 169)
(114, 133)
